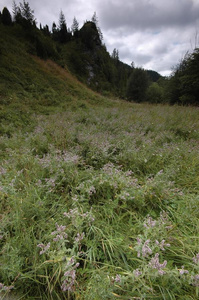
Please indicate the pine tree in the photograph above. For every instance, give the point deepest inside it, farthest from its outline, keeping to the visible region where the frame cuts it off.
(54, 27)
(46, 30)
(115, 54)
(75, 27)
(6, 17)
(26, 12)
(132, 65)
(62, 20)
(23, 14)
(94, 19)
(63, 34)
(55, 32)
(15, 10)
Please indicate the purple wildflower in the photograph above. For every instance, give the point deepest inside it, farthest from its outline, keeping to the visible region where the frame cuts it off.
(155, 264)
(183, 271)
(196, 280)
(43, 247)
(79, 237)
(60, 228)
(60, 234)
(5, 288)
(118, 278)
(196, 258)
(163, 217)
(150, 223)
(137, 273)
(162, 244)
(146, 250)
(72, 213)
(70, 276)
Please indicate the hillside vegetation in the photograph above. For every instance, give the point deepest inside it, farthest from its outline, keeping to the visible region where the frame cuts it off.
(80, 50)
(98, 197)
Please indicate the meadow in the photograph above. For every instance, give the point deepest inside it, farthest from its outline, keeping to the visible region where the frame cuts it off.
(99, 200)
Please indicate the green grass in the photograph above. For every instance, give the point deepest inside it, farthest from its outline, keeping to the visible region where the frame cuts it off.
(108, 168)
(100, 185)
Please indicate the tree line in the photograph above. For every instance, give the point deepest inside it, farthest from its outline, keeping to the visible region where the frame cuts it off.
(83, 51)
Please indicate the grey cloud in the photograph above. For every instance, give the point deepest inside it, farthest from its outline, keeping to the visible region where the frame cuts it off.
(146, 14)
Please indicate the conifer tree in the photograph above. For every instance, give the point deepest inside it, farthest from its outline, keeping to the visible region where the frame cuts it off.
(55, 32)
(94, 19)
(63, 34)
(115, 54)
(6, 17)
(75, 27)
(46, 30)
(23, 14)
(15, 10)
(54, 27)
(132, 65)
(26, 12)
(62, 20)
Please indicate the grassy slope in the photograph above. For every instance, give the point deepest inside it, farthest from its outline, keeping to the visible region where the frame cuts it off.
(29, 84)
(102, 181)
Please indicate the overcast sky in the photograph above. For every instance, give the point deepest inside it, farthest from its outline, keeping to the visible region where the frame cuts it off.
(155, 34)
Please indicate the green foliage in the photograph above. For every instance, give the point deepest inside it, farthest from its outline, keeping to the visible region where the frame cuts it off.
(155, 93)
(137, 85)
(184, 82)
(45, 47)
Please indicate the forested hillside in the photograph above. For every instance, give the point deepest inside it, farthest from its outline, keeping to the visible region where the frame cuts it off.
(80, 50)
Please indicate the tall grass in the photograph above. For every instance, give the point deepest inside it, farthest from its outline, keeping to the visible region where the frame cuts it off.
(101, 202)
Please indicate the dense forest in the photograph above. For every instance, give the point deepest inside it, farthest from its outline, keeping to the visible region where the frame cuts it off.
(82, 51)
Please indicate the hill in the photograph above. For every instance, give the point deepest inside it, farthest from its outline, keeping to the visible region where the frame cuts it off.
(29, 84)
(81, 51)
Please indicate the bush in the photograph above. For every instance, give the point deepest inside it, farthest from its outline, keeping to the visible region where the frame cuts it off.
(155, 93)
(137, 85)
